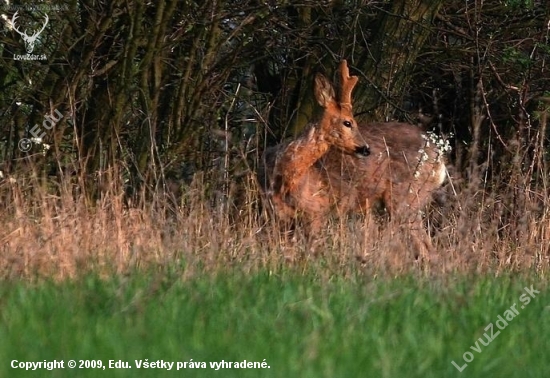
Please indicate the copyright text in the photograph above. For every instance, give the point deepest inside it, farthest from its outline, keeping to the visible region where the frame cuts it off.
(138, 364)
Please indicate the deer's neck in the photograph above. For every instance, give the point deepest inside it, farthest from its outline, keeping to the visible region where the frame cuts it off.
(299, 156)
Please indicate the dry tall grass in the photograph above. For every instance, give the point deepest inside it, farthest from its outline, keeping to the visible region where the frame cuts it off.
(61, 236)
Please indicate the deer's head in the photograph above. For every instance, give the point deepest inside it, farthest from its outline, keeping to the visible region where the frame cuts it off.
(337, 126)
(29, 40)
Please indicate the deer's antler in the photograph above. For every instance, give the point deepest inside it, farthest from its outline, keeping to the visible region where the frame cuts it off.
(43, 27)
(13, 23)
(15, 17)
(347, 83)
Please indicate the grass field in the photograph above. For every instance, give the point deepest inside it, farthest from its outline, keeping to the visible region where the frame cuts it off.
(302, 323)
(189, 281)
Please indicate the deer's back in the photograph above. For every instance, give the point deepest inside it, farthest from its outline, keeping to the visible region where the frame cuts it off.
(404, 168)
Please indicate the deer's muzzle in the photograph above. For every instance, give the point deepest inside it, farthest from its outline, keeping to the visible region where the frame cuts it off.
(362, 151)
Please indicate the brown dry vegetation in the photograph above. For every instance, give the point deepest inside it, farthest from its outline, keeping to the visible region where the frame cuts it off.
(61, 236)
(150, 110)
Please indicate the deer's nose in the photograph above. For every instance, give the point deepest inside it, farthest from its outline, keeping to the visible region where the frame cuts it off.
(362, 151)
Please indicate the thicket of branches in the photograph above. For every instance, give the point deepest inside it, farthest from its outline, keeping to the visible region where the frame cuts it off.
(170, 88)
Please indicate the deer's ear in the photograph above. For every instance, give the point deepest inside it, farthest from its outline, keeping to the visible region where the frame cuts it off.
(324, 91)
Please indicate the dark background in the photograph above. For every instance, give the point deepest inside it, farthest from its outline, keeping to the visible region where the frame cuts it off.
(156, 92)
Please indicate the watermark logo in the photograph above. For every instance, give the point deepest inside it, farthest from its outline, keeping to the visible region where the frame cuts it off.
(37, 132)
(29, 40)
(501, 324)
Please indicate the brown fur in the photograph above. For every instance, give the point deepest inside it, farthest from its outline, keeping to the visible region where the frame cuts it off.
(400, 175)
(402, 171)
(289, 178)
(319, 172)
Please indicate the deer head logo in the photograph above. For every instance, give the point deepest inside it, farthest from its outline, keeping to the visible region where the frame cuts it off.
(29, 40)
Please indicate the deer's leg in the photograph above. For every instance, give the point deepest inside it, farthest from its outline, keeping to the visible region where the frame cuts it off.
(421, 240)
(408, 215)
(285, 215)
(314, 232)
(316, 210)
(420, 236)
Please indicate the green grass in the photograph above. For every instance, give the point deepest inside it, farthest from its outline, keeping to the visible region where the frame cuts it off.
(301, 324)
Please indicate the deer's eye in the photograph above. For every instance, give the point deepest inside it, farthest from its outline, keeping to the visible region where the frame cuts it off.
(347, 124)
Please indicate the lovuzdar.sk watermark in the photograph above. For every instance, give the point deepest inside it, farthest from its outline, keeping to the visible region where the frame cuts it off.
(30, 40)
(501, 323)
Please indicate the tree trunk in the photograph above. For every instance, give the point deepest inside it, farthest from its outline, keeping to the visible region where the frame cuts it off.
(396, 42)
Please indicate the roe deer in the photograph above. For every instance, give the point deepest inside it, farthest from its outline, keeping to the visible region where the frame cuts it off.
(326, 168)
(405, 167)
(289, 177)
